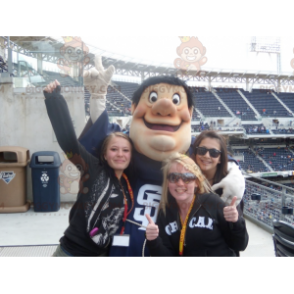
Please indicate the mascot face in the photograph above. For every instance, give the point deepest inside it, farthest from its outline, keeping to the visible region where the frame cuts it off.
(161, 121)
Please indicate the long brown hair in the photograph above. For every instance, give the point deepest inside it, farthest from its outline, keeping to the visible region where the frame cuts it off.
(106, 143)
(222, 168)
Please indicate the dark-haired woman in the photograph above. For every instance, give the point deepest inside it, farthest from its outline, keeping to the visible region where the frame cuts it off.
(210, 153)
(105, 194)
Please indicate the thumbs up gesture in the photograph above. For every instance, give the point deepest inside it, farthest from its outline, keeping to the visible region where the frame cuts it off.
(231, 212)
(152, 230)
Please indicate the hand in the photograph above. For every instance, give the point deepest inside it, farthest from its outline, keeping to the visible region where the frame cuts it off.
(231, 212)
(233, 184)
(152, 230)
(97, 79)
(51, 87)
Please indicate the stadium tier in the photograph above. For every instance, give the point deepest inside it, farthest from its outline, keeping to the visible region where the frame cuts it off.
(236, 103)
(265, 103)
(208, 104)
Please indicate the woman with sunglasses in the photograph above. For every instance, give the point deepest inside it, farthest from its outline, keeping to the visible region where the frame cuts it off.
(210, 154)
(191, 220)
(105, 197)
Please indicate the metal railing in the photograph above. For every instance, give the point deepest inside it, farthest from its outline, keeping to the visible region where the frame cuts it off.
(275, 201)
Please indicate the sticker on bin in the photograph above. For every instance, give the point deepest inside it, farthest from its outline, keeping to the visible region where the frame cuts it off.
(48, 159)
(7, 176)
(44, 179)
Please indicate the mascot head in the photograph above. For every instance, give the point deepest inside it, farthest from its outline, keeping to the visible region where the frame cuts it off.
(162, 109)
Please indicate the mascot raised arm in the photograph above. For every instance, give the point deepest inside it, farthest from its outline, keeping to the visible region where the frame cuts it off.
(162, 110)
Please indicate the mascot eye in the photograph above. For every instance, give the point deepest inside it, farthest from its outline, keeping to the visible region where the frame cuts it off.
(153, 97)
(176, 99)
(195, 51)
(79, 167)
(69, 168)
(186, 51)
(69, 50)
(78, 51)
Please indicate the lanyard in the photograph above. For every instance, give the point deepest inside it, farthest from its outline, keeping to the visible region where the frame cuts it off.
(126, 213)
(184, 227)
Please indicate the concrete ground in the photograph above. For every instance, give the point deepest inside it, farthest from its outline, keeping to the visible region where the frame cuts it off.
(36, 228)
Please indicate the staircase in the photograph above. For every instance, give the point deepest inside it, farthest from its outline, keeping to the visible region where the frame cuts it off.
(265, 163)
(223, 103)
(284, 105)
(247, 101)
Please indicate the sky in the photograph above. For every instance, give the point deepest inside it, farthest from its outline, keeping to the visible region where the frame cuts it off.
(223, 53)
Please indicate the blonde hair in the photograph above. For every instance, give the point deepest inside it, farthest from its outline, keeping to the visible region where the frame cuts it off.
(203, 185)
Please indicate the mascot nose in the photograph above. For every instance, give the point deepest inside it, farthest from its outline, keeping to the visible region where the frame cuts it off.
(164, 107)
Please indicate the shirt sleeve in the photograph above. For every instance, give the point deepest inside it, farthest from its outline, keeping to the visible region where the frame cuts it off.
(235, 234)
(61, 121)
(162, 245)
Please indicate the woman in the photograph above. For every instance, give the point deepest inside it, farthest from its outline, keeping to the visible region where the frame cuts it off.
(193, 221)
(105, 191)
(210, 154)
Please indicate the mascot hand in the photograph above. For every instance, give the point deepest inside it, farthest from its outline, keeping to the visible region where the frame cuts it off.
(97, 79)
(233, 184)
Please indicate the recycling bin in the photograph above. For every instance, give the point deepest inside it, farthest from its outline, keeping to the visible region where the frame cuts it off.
(45, 181)
(13, 179)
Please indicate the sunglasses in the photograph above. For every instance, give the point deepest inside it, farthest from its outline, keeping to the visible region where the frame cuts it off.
(186, 177)
(212, 152)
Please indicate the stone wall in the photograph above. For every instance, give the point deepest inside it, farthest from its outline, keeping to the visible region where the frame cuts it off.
(24, 122)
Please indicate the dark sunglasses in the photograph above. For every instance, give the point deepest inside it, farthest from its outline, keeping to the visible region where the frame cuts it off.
(186, 177)
(212, 152)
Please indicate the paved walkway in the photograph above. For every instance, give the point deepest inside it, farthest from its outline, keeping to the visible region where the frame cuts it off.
(32, 228)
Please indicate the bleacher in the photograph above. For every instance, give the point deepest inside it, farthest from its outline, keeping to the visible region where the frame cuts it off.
(280, 159)
(236, 103)
(255, 129)
(251, 163)
(3, 65)
(265, 103)
(207, 103)
(65, 81)
(288, 100)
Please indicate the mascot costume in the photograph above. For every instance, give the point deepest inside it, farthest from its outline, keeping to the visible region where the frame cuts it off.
(162, 109)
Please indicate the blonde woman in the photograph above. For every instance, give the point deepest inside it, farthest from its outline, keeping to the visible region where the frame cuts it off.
(192, 220)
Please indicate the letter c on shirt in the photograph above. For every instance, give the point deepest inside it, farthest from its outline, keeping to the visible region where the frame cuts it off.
(192, 222)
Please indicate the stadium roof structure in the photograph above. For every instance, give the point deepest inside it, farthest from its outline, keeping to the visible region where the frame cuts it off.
(48, 49)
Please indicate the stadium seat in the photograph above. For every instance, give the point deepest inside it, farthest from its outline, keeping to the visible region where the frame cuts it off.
(283, 238)
(236, 103)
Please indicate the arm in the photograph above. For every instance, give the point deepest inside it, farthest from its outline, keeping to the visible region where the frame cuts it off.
(96, 81)
(60, 118)
(232, 225)
(158, 242)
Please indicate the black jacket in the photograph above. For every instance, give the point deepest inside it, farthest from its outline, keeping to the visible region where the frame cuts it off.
(207, 234)
(100, 200)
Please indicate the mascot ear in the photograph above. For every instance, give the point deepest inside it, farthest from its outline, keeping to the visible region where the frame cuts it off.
(203, 51)
(133, 108)
(191, 111)
(179, 50)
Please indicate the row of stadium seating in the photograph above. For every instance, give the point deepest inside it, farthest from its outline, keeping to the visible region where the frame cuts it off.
(279, 159)
(209, 106)
(221, 102)
(3, 65)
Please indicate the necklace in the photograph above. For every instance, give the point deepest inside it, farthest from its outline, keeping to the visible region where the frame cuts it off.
(184, 227)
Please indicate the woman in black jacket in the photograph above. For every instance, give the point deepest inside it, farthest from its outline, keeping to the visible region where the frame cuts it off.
(105, 196)
(192, 221)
